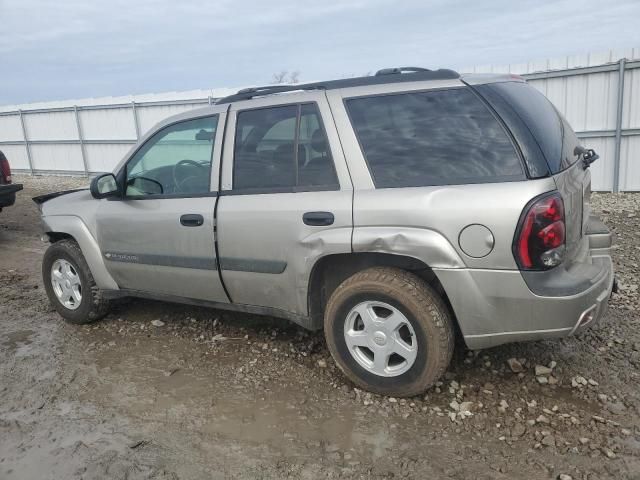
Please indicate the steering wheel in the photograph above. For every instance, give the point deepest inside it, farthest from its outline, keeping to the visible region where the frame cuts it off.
(179, 182)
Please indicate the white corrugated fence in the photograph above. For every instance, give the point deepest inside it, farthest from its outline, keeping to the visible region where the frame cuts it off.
(599, 94)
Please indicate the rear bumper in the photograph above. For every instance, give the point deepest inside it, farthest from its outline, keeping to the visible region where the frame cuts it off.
(501, 306)
(8, 194)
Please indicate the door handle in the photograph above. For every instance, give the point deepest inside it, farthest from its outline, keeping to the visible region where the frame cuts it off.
(318, 219)
(191, 220)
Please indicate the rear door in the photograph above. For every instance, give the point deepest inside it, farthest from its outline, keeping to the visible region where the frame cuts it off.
(286, 199)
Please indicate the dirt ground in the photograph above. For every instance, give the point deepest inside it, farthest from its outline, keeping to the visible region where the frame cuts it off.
(215, 395)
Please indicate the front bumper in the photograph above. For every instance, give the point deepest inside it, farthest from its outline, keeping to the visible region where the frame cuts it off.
(502, 306)
(8, 194)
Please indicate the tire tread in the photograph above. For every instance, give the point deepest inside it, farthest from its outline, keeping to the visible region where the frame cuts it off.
(99, 305)
(396, 282)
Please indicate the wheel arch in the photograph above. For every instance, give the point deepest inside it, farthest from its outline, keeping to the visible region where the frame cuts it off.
(331, 270)
(54, 237)
(59, 227)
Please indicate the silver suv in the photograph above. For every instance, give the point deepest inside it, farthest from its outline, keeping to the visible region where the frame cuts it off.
(394, 211)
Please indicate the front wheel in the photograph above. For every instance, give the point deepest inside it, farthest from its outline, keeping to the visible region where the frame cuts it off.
(389, 331)
(70, 285)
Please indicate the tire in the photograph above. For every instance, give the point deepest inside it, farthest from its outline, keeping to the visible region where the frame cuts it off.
(92, 306)
(421, 310)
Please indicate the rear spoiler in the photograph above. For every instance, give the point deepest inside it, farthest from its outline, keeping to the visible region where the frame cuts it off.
(482, 78)
(40, 199)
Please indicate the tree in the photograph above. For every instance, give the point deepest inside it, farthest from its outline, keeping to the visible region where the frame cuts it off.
(285, 76)
(280, 77)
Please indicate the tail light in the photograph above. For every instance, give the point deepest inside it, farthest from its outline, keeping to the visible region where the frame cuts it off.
(5, 169)
(540, 238)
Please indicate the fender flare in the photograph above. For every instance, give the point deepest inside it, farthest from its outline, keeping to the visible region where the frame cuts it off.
(74, 226)
(403, 247)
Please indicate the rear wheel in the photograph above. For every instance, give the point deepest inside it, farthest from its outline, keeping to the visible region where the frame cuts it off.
(389, 331)
(70, 285)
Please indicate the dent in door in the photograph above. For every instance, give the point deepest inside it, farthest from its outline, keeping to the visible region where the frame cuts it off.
(315, 246)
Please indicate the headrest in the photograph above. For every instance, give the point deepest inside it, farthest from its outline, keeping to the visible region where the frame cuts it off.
(318, 141)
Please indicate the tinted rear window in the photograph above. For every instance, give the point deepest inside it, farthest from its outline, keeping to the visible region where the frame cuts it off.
(540, 117)
(265, 153)
(440, 137)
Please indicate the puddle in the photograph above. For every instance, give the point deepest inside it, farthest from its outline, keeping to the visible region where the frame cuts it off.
(209, 400)
(15, 340)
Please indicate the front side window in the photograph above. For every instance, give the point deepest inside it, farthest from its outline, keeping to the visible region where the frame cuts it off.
(175, 161)
(282, 147)
(443, 137)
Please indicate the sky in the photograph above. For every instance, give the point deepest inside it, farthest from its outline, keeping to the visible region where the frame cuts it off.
(70, 49)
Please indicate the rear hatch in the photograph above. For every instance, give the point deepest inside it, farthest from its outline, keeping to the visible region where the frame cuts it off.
(543, 133)
(574, 184)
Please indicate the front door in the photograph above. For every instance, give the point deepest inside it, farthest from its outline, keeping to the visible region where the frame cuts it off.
(285, 202)
(159, 237)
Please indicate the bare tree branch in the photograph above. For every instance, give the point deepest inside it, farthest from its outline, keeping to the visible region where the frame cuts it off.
(285, 76)
(280, 77)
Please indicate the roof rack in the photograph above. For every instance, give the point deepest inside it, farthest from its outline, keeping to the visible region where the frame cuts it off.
(386, 75)
(249, 93)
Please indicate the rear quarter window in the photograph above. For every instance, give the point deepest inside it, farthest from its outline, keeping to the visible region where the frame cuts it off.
(552, 133)
(442, 137)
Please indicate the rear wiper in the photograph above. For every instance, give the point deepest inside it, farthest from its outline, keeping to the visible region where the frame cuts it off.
(588, 155)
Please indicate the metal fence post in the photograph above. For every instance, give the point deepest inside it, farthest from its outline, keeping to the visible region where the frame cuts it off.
(618, 144)
(26, 142)
(135, 119)
(80, 137)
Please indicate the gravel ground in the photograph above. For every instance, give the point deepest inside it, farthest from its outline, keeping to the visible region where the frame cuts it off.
(165, 391)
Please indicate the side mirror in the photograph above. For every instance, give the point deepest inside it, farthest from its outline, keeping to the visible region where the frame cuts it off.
(144, 186)
(104, 185)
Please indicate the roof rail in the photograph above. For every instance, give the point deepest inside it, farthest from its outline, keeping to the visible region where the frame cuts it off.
(387, 75)
(249, 93)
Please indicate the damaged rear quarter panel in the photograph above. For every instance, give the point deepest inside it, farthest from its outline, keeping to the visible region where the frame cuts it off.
(425, 222)
(413, 242)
